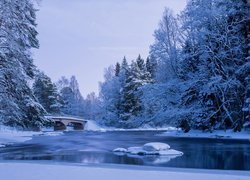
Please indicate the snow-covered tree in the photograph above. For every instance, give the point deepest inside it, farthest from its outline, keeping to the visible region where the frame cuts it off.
(18, 106)
(200, 67)
(151, 65)
(71, 96)
(136, 76)
(165, 50)
(47, 94)
(92, 107)
(110, 97)
(213, 52)
(117, 69)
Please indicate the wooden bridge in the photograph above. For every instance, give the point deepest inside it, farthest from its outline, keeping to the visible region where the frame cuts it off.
(62, 123)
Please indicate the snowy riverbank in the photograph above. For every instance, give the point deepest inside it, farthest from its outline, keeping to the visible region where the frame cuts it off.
(10, 135)
(31, 171)
(217, 134)
(175, 132)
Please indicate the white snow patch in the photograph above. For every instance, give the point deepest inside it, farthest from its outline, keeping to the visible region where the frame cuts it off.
(2, 145)
(9, 135)
(144, 129)
(53, 133)
(122, 150)
(26, 171)
(155, 146)
(93, 126)
(217, 134)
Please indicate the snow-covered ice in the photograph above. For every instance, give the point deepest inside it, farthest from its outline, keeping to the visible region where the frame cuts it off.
(31, 171)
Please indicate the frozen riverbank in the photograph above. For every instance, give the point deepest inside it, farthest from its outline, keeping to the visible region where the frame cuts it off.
(30, 171)
(175, 132)
(217, 134)
(9, 135)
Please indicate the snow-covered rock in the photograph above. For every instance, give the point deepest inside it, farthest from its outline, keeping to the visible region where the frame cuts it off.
(2, 145)
(137, 151)
(155, 146)
(120, 150)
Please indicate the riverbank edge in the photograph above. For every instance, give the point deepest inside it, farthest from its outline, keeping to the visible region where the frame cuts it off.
(216, 134)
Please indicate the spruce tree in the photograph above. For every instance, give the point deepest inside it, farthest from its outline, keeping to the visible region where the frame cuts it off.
(47, 94)
(18, 106)
(117, 69)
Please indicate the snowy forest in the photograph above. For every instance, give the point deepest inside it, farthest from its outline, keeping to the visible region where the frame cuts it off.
(197, 74)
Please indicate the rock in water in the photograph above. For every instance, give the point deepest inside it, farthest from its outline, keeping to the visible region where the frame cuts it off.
(120, 150)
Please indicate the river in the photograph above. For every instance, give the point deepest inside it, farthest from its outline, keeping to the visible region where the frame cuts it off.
(96, 147)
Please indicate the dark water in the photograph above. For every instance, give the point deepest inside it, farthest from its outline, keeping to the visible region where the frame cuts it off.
(96, 147)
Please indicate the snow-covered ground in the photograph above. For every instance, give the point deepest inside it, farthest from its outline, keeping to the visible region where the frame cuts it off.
(9, 135)
(31, 171)
(93, 126)
(175, 132)
(217, 134)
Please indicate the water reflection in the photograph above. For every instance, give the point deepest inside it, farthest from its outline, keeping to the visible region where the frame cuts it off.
(153, 159)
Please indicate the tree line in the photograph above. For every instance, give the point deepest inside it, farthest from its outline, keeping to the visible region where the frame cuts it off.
(27, 95)
(197, 74)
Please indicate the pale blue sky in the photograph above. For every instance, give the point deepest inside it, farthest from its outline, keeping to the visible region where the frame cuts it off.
(82, 37)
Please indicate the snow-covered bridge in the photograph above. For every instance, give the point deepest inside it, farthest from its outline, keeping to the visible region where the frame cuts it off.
(62, 122)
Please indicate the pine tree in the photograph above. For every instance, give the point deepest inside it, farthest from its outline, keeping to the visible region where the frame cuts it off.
(151, 67)
(117, 69)
(136, 76)
(47, 94)
(18, 35)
